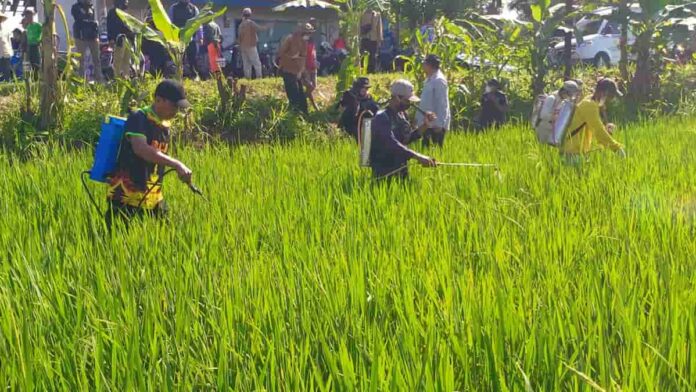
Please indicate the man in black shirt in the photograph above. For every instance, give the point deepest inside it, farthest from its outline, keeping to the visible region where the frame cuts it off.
(356, 103)
(494, 106)
(86, 33)
(391, 132)
(118, 32)
(136, 185)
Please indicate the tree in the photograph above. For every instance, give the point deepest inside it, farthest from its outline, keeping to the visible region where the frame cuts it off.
(545, 19)
(49, 76)
(650, 26)
(568, 38)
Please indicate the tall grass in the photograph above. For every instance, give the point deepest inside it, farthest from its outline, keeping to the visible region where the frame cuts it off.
(301, 274)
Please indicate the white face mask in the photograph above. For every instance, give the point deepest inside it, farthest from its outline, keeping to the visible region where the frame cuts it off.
(489, 89)
(306, 38)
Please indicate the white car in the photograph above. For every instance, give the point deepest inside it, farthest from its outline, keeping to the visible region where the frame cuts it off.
(601, 38)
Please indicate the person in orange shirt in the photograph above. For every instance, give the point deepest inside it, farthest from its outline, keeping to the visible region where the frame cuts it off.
(587, 124)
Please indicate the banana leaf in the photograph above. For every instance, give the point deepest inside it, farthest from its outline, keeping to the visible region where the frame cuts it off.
(139, 27)
(194, 24)
(169, 30)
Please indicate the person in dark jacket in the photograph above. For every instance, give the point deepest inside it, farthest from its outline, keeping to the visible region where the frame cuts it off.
(118, 32)
(356, 103)
(180, 13)
(86, 33)
(391, 132)
(494, 106)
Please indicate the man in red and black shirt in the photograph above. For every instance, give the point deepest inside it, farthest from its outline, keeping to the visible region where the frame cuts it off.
(136, 186)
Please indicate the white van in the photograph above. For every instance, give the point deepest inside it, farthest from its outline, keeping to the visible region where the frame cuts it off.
(600, 44)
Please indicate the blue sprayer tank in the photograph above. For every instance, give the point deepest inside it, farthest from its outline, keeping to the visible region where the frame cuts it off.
(106, 154)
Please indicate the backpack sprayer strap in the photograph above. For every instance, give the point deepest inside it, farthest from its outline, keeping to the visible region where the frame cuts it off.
(575, 132)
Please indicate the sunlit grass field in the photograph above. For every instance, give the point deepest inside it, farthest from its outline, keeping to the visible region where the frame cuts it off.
(299, 273)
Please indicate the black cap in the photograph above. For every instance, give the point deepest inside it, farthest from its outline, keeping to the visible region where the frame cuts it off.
(609, 86)
(174, 92)
(493, 83)
(361, 83)
(433, 60)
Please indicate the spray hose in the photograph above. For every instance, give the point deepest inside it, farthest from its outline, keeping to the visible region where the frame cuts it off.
(191, 186)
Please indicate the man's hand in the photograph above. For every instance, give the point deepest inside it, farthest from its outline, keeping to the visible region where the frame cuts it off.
(184, 173)
(426, 161)
(428, 119)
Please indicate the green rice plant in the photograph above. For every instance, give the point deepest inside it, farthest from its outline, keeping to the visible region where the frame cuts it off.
(301, 273)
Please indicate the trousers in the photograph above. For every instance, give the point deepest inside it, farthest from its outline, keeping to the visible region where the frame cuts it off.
(93, 46)
(295, 92)
(250, 59)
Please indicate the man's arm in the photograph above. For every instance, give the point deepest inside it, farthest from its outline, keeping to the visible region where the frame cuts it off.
(152, 155)
(383, 135)
(596, 126)
(265, 27)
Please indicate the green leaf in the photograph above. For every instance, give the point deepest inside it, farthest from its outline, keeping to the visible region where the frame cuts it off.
(168, 29)
(139, 27)
(536, 13)
(195, 23)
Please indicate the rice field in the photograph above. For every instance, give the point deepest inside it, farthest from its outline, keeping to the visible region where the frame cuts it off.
(299, 273)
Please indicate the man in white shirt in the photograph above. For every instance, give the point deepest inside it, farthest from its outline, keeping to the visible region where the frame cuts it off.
(5, 50)
(435, 99)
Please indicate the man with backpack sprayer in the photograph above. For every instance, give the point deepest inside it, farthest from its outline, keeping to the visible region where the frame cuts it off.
(136, 185)
(391, 132)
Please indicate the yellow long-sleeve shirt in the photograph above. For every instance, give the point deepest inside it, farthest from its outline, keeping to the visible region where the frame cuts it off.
(589, 121)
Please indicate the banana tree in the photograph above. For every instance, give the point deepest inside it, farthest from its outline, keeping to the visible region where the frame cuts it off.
(545, 19)
(351, 12)
(173, 38)
(48, 110)
(650, 25)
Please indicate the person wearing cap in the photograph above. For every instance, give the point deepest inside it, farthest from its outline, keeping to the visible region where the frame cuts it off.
(494, 106)
(86, 33)
(136, 184)
(32, 40)
(587, 124)
(292, 57)
(118, 32)
(356, 103)
(248, 44)
(570, 90)
(392, 132)
(435, 99)
(5, 50)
